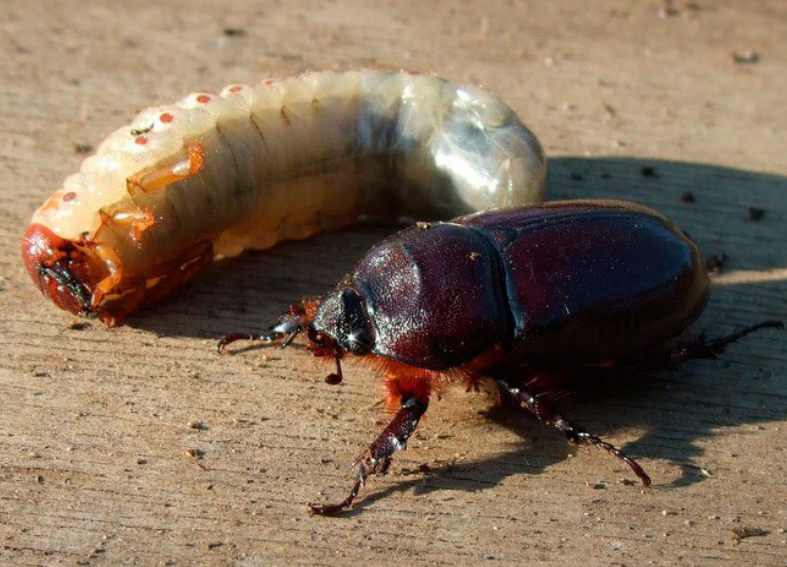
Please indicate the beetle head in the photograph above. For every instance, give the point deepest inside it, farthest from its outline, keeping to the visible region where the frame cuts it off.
(342, 317)
(337, 324)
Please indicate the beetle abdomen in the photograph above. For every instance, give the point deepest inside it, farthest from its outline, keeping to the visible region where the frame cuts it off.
(594, 281)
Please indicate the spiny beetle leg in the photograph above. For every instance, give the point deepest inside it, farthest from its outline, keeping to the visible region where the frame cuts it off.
(698, 348)
(575, 434)
(378, 456)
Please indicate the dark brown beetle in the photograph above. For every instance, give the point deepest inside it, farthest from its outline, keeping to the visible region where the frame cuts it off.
(526, 297)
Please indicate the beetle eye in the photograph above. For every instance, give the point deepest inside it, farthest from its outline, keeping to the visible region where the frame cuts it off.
(359, 341)
(354, 325)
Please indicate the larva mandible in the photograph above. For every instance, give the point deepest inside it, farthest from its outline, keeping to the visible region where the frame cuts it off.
(213, 175)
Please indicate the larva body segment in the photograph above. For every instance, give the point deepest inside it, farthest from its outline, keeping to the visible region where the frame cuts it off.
(213, 175)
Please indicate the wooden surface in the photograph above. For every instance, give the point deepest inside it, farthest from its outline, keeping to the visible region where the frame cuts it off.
(94, 423)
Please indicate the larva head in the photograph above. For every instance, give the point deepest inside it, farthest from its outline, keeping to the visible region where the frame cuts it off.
(57, 268)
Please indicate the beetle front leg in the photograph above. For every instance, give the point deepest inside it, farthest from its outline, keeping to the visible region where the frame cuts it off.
(378, 456)
(575, 434)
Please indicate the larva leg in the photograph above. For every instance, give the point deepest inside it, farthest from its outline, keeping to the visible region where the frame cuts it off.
(378, 456)
(574, 433)
(121, 292)
(169, 171)
(136, 221)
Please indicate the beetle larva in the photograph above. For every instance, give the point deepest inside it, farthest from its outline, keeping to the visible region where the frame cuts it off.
(213, 175)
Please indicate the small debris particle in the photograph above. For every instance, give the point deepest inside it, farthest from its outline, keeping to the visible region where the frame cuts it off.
(606, 175)
(83, 148)
(140, 131)
(715, 262)
(687, 197)
(688, 523)
(40, 479)
(424, 468)
(266, 358)
(747, 57)
(742, 532)
(755, 214)
(214, 545)
(142, 461)
(576, 176)
(649, 171)
(234, 32)
(473, 256)
(78, 325)
(627, 482)
(192, 453)
(195, 424)
(421, 225)
(667, 9)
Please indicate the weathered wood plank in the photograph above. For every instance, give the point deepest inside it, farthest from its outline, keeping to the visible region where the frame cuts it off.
(94, 423)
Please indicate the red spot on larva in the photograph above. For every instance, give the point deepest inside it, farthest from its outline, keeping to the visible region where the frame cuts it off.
(269, 82)
(236, 89)
(70, 196)
(166, 117)
(203, 98)
(141, 140)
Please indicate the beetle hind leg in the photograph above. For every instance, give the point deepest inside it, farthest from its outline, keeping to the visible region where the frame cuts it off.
(574, 433)
(698, 348)
(378, 456)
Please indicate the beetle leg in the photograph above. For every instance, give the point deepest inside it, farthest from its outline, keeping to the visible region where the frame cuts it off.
(699, 348)
(378, 456)
(575, 434)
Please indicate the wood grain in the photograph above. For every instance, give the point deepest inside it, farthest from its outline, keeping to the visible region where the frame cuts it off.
(95, 462)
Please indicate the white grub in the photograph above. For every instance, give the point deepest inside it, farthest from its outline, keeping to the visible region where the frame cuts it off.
(285, 158)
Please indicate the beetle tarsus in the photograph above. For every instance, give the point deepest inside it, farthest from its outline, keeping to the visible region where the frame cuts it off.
(287, 329)
(333, 509)
(714, 347)
(575, 434)
(699, 348)
(229, 338)
(377, 457)
(595, 440)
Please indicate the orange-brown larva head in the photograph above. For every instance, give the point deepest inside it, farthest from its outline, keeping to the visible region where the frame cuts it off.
(56, 265)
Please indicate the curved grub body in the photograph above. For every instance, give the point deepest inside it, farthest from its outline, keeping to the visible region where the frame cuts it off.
(214, 175)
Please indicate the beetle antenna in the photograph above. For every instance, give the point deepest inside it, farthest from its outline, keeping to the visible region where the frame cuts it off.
(287, 329)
